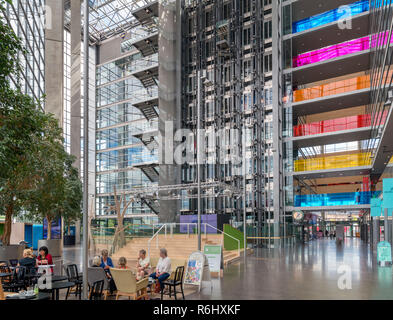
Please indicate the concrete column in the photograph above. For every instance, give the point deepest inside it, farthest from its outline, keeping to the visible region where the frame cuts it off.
(76, 66)
(375, 233)
(169, 101)
(54, 60)
(278, 180)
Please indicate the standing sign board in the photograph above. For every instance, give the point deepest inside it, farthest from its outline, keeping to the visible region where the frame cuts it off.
(214, 256)
(197, 270)
(384, 253)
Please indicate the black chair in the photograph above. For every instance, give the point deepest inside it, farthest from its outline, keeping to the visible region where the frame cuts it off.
(18, 280)
(177, 281)
(96, 290)
(31, 276)
(13, 262)
(73, 276)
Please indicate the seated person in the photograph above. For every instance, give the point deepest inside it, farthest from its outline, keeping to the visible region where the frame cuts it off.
(143, 265)
(28, 260)
(44, 257)
(96, 262)
(106, 261)
(163, 270)
(122, 264)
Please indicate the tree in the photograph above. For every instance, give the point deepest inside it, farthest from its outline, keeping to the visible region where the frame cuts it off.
(120, 208)
(57, 191)
(71, 206)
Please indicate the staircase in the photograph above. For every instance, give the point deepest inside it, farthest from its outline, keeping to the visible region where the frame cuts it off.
(179, 247)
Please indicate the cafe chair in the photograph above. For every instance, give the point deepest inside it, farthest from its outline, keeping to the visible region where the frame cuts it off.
(13, 262)
(174, 282)
(96, 290)
(18, 280)
(73, 276)
(128, 286)
(98, 274)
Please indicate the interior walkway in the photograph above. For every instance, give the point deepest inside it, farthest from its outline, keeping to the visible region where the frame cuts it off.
(307, 271)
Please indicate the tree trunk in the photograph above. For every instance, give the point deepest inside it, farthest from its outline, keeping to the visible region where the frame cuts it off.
(6, 238)
(49, 233)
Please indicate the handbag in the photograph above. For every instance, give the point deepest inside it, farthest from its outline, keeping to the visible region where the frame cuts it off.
(157, 288)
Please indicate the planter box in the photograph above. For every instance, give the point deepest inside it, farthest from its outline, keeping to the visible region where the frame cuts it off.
(55, 247)
(13, 251)
(69, 240)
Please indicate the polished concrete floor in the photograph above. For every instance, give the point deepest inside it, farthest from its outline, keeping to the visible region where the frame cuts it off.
(317, 270)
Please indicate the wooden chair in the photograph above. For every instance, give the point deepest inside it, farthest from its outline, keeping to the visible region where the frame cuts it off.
(128, 286)
(2, 296)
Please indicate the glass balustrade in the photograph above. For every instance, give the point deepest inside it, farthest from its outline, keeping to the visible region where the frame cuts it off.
(340, 13)
(335, 199)
(333, 162)
(341, 49)
(332, 88)
(330, 16)
(339, 124)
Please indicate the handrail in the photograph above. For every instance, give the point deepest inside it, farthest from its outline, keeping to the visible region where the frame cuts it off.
(224, 233)
(164, 226)
(149, 241)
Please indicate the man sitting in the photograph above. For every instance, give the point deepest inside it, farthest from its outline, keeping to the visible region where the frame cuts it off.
(163, 269)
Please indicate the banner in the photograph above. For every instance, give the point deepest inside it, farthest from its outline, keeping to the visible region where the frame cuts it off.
(214, 257)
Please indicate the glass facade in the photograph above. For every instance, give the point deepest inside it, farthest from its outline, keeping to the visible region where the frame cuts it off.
(26, 18)
(122, 154)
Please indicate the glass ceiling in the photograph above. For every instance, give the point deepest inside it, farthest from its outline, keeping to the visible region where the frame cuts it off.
(109, 17)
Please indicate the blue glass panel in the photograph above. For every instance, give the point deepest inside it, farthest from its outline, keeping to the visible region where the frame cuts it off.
(332, 15)
(334, 199)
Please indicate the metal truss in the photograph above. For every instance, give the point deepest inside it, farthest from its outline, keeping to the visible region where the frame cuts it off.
(109, 18)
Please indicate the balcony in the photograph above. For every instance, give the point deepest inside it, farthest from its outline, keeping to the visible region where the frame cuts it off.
(347, 123)
(333, 162)
(330, 16)
(333, 88)
(335, 199)
(341, 49)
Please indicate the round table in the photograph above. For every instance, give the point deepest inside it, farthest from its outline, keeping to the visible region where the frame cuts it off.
(57, 286)
(39, 296)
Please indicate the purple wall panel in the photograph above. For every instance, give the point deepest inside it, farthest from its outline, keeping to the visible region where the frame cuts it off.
(206, 218)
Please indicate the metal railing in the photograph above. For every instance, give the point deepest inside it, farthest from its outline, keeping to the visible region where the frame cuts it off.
(165, 226)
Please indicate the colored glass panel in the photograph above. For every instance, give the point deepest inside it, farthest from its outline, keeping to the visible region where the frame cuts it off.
(330, 16)
(335, 199)
(341, 49)
(347, 123)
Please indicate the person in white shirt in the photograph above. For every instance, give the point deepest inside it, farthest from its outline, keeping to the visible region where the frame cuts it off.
(143, 265)
(163, 269)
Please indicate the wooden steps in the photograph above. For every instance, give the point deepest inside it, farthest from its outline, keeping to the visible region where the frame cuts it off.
(179, 247)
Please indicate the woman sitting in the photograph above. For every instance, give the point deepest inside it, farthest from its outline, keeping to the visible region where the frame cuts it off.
(122, 264)
(106, 261)
(143, 265)
(44, 257)
(163, 270)
(28, 260)
(96, 262)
